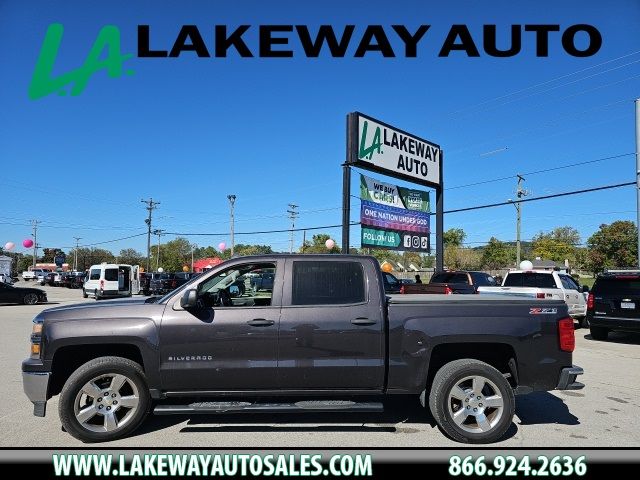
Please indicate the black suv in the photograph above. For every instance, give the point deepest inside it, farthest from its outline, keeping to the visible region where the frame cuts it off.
(614, 303)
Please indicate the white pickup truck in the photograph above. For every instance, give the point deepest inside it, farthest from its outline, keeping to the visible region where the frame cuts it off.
(544, 284)
(34, 274)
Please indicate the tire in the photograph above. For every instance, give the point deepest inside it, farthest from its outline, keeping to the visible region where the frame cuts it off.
(30, 299)
(95, 294)
(452, 391)
(83, 402)
(84, 293)
(599, 333)
(583, 322)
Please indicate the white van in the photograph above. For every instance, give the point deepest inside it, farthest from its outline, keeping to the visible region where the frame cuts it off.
(109, 280)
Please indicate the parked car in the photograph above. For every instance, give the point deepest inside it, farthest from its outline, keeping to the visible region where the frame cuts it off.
(73, 279)
(452, 282)
(5, 278)
(391, 283)
(34, 274)
(327, 333)
(111, 280)
(25, 295)
(161, 283)
(544, 284)
(614, 304)
(262, 281)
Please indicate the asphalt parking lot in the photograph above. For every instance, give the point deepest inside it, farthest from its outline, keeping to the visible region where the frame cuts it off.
(604, 413)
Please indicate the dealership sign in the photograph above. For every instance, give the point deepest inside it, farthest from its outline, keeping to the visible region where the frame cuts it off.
(380, 147)
(393, 217)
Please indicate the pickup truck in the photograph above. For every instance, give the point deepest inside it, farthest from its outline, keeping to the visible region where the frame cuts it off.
(326, 338)
(451, 282)
(34, 274)
(544, 284)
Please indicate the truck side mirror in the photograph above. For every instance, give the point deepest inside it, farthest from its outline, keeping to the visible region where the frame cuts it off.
(189, 299)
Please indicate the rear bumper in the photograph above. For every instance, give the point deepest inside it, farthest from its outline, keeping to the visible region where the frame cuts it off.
(621, 323)
(36, 386)
(568, 377)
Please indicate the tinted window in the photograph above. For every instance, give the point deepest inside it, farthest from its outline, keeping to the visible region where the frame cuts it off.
(95, 274)
(568, 282)
(617, 286)
(530, 279)
(483, 280)
(327, 283)
(450, 277)
(111, 274)
(390, 279)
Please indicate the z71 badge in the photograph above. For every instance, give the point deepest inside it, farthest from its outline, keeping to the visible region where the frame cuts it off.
(542, 311)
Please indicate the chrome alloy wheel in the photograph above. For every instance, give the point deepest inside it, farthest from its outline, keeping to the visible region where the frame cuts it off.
(475, 404)
(106, 403)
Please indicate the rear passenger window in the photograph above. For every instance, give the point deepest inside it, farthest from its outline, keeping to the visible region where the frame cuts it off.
(327, 283)
(530, 279)
(95, 274)
(111, 274)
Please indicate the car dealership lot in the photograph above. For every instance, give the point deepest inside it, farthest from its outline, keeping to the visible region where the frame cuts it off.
(603, 413)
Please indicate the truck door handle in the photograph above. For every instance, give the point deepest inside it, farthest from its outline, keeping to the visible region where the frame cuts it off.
(260, 322)
(363, 321)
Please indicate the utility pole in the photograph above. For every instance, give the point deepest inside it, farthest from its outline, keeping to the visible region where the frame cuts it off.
(232, 202)
(520, 192)
(193, 246)
(151, 206)
(293, 214)
(34, 224)
(638, 173)
(75, 254)
(158, 232)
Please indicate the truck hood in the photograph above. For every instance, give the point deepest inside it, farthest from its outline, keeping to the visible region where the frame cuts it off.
(108, 309)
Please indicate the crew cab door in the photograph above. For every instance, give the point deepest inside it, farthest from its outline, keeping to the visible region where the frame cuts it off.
(228, 343)
(331, 326)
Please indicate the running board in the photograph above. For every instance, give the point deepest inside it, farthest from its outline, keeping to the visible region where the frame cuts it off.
(303, 406)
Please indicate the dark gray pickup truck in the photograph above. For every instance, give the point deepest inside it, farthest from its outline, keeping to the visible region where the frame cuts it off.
(324, 338)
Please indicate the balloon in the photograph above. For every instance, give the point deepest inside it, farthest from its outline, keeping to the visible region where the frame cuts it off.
(27, 243)
(387, 267)
(526, 265)
(222, 246)
(185, 269)
(9, 246)
(160, 270)
(329, 244)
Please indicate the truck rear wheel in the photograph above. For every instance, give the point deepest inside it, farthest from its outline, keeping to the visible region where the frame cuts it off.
(599, 333)
(472, 401)
(105, 399)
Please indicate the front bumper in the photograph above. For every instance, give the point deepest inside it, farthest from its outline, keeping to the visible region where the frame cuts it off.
(568, 377)
(36, 387)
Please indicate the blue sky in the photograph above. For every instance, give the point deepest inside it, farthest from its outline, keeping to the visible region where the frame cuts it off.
(189, 131)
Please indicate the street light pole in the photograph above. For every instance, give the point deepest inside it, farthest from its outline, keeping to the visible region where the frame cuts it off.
(638, 174)
(232, 201)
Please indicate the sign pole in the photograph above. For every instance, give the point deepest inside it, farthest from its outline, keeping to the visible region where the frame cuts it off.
(346, 207)
(440, 220)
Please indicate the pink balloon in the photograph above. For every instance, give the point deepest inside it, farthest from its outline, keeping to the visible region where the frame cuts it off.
(329, 244)
(222, 246)
(27, 243)
(9, 246)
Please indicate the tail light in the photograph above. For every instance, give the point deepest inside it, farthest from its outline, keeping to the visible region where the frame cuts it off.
(567, 336)
(590, 302)
(447, 290)
(539, 295)
(402, 290)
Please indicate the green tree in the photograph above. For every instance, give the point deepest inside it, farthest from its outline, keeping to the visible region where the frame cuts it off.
(317, 245)
(454, 237)
(131, 256)
(459, 258)
(557, 245)
(244, 250)
(613, 246)
(173, 255)
(496, 254)
(90, 256)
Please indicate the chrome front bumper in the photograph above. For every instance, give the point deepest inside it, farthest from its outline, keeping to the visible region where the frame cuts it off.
(36, 386)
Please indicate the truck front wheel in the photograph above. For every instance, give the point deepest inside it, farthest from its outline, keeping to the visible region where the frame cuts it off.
(105, 399)
(472, 401)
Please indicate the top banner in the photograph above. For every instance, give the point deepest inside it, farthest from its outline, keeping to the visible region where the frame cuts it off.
(374, 145)
(393, 195)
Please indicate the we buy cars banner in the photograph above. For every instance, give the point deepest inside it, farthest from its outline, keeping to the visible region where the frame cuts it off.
(393, 217)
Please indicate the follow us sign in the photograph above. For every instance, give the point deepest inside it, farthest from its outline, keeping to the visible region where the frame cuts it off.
(392, 240)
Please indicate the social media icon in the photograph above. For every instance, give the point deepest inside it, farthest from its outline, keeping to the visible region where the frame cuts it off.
(415, 242)
(407, 241)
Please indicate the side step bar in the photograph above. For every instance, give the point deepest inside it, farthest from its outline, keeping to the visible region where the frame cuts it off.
(297, 407)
